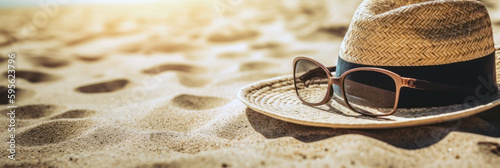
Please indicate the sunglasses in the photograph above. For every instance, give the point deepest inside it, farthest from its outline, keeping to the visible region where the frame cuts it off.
(365, 90)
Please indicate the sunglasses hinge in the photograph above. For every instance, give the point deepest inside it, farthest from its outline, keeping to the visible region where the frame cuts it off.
(408, 82)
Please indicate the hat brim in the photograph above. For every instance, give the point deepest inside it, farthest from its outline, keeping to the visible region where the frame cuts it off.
(277, 98)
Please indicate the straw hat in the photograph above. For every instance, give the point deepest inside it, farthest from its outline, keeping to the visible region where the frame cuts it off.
(447, 41)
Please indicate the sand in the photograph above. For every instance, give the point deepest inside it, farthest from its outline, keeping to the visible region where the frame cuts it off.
(154, 85)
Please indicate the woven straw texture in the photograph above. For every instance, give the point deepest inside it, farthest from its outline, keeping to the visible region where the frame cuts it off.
(277, 98)
(417, 33)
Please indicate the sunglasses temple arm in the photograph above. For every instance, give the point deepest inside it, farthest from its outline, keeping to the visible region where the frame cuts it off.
(426, 85)
(310, 73)
(332, 69)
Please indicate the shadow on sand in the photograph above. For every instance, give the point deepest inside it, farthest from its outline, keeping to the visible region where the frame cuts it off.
(486, 123)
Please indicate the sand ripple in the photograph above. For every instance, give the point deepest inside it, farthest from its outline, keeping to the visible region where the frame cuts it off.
(59, 130)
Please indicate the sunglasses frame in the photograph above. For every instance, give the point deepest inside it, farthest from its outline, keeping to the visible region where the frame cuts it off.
(398, 80)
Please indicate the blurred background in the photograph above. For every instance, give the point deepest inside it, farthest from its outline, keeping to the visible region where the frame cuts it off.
(229, 41)
(94, 28)
(282, 28)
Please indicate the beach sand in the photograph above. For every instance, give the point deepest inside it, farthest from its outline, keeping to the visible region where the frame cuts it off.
(154, 85)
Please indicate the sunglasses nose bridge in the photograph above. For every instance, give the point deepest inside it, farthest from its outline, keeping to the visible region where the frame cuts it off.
(333, 81)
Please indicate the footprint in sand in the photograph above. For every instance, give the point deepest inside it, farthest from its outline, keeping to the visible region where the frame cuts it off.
(193, 102)
(177, 111)
(231, 33)
(89, 57)
(34, 111)
(233, 55)
(103, 87)
(174, 67)
(257, 65)
(52, 132)
(266, 45)
(190, 80)
(2, 59)
(79, 113)
(44, 110)
(33, 76)
(49, 62)
(164, 44)
(21, 94)
(188, 77)
(339, 31)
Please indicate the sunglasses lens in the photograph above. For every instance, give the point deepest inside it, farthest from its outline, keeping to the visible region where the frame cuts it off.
(311, 81)
(370, 92)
